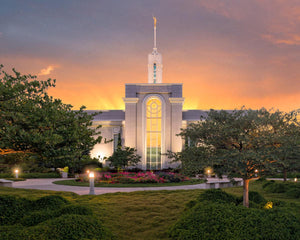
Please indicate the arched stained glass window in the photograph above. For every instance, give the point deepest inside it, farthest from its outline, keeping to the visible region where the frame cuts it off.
(153, 133)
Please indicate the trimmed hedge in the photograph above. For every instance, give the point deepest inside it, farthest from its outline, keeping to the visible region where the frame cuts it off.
(50, 217)
(291, 189)
(210, 221)
(71, 227)
(31, 175)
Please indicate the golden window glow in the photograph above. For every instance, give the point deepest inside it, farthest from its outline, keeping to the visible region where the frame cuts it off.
(153, 133)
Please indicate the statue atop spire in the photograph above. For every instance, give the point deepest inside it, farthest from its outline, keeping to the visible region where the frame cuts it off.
(154, 19)
(154, 61)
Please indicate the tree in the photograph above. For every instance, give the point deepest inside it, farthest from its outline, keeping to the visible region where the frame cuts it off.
(34, 122)
(286, 146)
(124, 157)
(242, 142)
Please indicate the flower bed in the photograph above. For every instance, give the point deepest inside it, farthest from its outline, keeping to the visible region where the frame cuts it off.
(130, 177)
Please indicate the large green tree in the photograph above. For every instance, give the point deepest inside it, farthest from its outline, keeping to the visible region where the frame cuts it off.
(242, 142)
(286, 141)
(31, 121)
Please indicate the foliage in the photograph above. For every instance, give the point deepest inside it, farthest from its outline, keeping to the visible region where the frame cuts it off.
(124, 157)
(146, 215)
(31, 175)
(134, 178)
(241, 143)
(34, 122)
(50, 217)
(291, 189)
(209, 220)
(193, 159)
(218, 195)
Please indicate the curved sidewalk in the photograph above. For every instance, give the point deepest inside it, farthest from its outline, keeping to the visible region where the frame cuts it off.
(47, 184)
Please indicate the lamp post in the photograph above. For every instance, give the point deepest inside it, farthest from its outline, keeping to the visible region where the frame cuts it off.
(208, 173)
(17, 173)
(92, 186)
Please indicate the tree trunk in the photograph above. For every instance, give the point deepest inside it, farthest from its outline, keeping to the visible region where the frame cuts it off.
(284, 175)
(246, 192)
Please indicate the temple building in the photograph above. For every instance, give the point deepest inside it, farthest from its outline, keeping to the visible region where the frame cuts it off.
(152, 118)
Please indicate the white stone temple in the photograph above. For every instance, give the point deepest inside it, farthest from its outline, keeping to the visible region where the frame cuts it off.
(153, 116)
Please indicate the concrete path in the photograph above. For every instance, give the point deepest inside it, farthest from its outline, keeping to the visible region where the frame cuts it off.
(47, 184)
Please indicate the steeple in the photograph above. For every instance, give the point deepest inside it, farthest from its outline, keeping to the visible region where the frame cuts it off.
(154, 61)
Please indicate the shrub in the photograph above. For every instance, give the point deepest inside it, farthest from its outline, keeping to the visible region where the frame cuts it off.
(75, 209)
(293, 192)
(40, 175)
(217, 195)
(276, 187)
(71, 227)
(12, 209)
(209, 220)
(256, 197)
(34, 218)
(50, 202)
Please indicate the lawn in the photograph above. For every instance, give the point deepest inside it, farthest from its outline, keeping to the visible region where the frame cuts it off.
(118, 185)
(141, 215)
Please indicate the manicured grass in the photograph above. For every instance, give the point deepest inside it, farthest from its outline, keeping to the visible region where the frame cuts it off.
(121, 185)
(143, 215)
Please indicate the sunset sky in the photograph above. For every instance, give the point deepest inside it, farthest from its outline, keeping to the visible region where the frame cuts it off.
(227, 53)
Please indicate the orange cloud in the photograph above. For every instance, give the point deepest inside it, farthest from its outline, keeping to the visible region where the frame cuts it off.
(47, 71)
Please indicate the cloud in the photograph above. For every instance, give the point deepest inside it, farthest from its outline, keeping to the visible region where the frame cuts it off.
(288, 40)
(47, 70)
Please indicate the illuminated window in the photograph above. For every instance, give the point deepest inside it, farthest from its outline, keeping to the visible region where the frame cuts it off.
(153, 133)
(116, 141)
(154, 73)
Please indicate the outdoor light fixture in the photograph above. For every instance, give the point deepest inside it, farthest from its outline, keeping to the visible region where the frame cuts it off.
(87, 171)
(295, 179)
(92, 186)
(17, 173)
(208, 171)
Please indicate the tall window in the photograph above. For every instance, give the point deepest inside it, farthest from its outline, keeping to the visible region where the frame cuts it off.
(153, 133)
(154, 73)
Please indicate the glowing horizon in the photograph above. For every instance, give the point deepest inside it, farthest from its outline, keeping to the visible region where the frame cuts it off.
(227, 55)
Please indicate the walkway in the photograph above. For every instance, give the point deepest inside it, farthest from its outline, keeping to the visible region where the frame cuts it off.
(47, 184)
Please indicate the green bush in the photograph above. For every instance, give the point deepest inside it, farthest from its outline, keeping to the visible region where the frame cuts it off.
(50, 217)
(209, 220)
(50, 202)
(40, 175)
(291, 189)
(31, 175)
(217, 195)
(293, 192)
(34, 218)
(256, 197)
(277, 188)
(12, 209)
(75, 209)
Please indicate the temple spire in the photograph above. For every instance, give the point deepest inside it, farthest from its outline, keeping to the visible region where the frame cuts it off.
(154, 19)
(154, 61)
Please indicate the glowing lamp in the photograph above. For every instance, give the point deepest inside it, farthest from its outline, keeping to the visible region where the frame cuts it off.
(87, 171)
(295, 179)
(91, 175)
(17, 173)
